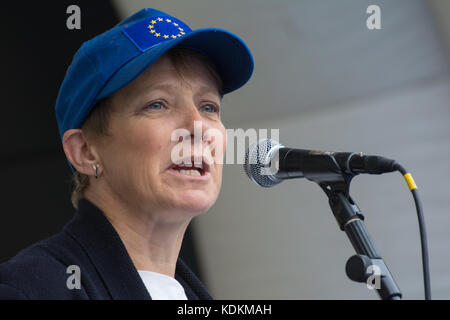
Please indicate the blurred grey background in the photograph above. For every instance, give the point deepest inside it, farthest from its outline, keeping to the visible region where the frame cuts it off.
(328, 82)
(323, 79)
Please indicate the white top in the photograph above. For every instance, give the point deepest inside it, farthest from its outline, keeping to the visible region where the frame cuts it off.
(161, 286)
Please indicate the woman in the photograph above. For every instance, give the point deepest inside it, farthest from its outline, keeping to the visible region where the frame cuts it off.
(130, 98)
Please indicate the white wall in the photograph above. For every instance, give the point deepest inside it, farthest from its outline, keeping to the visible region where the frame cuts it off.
(284, 242)
(327, 82)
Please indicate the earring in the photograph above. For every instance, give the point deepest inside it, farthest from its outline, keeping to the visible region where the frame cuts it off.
(96, 166)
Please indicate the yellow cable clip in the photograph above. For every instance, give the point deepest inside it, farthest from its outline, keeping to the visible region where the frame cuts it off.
(410, 181)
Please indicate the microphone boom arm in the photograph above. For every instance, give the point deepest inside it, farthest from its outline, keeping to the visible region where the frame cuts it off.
(336, 186)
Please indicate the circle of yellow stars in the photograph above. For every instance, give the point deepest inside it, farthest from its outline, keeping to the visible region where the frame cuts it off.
(152, 24)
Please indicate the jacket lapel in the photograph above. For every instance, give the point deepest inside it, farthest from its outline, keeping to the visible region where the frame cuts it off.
(193, 287)
(92, 230)
(107, 253)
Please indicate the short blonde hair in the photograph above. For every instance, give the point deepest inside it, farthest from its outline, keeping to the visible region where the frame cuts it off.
(96, 123)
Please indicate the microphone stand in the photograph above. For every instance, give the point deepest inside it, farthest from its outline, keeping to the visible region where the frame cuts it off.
(336, 185)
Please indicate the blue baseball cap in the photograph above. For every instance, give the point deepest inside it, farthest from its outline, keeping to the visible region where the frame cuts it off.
(116, 57)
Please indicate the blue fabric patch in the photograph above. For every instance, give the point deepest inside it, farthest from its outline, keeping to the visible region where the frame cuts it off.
(151, 31)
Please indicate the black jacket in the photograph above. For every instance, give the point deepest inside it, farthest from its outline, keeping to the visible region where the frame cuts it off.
(90, 242)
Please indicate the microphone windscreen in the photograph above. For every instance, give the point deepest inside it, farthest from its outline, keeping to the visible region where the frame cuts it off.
(257, 163)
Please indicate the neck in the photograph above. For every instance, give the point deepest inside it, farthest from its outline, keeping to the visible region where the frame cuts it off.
(152, 243)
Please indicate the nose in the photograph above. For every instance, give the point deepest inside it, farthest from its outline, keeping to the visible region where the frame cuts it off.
(191, 119)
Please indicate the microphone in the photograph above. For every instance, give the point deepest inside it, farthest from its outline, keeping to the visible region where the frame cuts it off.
(268, 163)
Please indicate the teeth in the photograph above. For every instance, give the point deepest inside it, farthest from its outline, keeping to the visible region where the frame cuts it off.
(190, 172)
(190, 164)
(198, 165)
(194, 172)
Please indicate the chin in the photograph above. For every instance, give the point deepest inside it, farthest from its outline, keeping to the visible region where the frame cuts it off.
(197, 208)
(195, 204)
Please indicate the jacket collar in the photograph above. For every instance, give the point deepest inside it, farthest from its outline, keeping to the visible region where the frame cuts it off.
(108, 254)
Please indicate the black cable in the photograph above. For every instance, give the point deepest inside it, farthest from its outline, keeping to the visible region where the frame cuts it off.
(423, 234)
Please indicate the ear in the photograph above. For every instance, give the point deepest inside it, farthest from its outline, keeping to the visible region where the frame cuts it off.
(78, 151)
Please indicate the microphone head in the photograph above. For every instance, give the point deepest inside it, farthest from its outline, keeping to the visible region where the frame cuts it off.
(257, 164)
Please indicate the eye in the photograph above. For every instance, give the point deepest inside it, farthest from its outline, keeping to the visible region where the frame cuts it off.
(155, 106)
(210, 108)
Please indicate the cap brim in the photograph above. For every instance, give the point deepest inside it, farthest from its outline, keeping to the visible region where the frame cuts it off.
(229, 53)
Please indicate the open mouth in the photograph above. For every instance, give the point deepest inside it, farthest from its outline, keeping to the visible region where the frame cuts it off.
(191, 169)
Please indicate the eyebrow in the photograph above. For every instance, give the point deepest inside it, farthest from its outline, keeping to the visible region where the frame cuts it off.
(171, 88)
(161, 86)
(207, 89)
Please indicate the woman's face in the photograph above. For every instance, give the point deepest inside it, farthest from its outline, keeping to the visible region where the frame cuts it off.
(137, 154)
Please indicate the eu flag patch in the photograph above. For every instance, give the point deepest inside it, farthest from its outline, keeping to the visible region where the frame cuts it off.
(151, 31)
